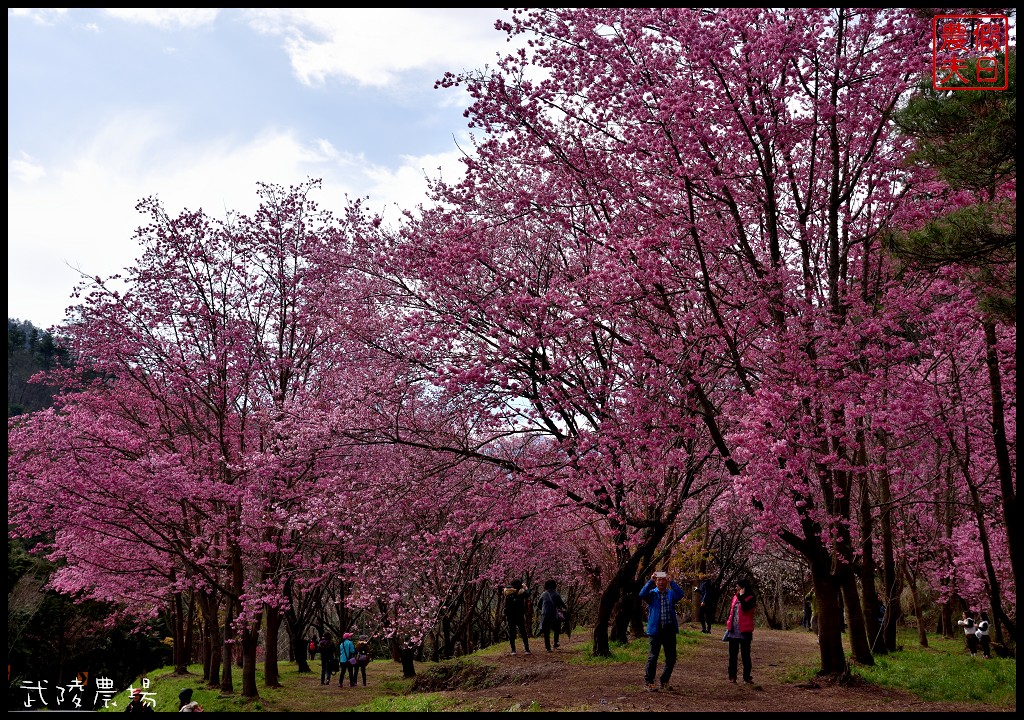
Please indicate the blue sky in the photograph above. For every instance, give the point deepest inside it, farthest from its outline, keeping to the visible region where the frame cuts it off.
(197, 106)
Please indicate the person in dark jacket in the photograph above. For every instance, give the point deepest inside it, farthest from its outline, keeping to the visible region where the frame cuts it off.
(328, 659)
(552, 612)
(515, 614)
(707, 605)
(138, 703)
(661, 595)
(739, 629)
(362, 656)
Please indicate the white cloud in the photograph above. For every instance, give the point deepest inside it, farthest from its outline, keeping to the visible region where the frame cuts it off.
(373, 46)
(41, 16)
(27, 169)
(76, 207)
(84, 214)
(166, 18)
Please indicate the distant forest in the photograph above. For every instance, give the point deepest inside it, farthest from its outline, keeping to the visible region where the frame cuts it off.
(29, 351)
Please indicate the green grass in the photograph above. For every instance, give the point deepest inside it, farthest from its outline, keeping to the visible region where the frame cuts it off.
(386, 690)
(412, 703)
(944, 672)
(635, 651)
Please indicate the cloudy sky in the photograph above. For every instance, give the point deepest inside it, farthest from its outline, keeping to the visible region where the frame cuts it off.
(196, 106)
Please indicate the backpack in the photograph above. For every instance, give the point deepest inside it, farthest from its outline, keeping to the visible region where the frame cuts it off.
(312, 645)
(515, 605)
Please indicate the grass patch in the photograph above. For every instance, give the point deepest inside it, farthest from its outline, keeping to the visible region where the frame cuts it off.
(944, 672)
(299, 692)
(636, 650)
(411, 703)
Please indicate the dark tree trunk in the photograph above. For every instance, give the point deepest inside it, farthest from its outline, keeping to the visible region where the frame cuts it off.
(860, 648)
(408, 657)
(891, 576)
(209, 605)
(250, 643)
(621, 583)
(922, 634)
(1007, 477)
(227, 684)
(867, 572)
(181, 652)
(830, 628)
(271, 677)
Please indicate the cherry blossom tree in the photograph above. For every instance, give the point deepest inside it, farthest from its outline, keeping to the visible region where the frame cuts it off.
(192, 424)
(679, 212)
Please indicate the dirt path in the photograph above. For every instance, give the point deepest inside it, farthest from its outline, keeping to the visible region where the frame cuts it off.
(699, 683)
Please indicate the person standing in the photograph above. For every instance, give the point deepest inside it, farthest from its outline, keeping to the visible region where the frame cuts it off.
(967, 623)
(808, 609)
(707, 605)
(552, 613)
(739, 629)
(515, 614)
(362, 657)
(983, 636)
(328, 659)
(661, 595)
(347, 658)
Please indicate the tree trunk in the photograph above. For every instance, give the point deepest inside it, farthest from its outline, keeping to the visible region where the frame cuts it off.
(226, 682)
(297, 624)
(872, 626)
(922, 634)
(1007, 478)
(214, 643)
(190, 630)
(180, 658)
(271, 678)
(621, 583)
(891, 576)
(860, 648)
(830, 637)
(250, 643)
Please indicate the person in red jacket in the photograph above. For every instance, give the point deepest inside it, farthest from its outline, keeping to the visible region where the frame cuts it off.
(739, 629)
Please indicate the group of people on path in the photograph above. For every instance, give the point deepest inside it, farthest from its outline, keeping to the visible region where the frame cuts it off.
(553, 614)
(347, 658)
(661, 593)
(976, 633)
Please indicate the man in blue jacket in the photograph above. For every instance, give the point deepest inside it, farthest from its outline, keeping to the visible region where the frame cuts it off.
(661, 595)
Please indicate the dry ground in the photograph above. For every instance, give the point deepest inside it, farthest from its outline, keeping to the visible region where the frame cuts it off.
(699, 683)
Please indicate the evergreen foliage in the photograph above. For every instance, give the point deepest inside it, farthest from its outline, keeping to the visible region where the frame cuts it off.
(30, 351)
(970, 140)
